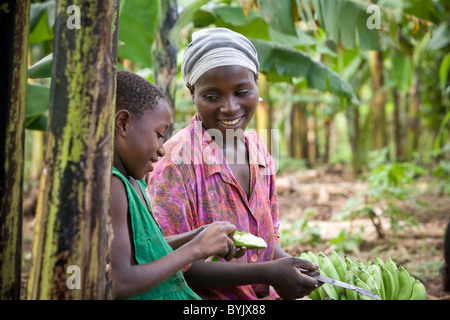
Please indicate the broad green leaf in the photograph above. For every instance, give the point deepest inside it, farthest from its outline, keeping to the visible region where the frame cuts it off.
(280, 62)
(348, 15)
(37, 106)
(42, 68)
(137, 25)
(401, 72)
(279, 15)
(184, 18)
(37, 9)
(232, 15)
(444, 71)
(302, 38)
(441, 37)
(330, 18)
(252, 27)
(368, 38)
(37, 99)
(203, 18)
(37, 122)
(41, 30)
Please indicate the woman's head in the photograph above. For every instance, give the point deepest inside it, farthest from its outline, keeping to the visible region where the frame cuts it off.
(220, 68)
(142, 118)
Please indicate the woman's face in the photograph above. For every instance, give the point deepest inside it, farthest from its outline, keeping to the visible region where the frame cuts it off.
(226, 98)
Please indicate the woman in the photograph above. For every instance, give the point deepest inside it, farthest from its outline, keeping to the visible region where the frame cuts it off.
(216, 170)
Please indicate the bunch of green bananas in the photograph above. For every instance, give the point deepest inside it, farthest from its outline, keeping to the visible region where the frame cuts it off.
(383, 278)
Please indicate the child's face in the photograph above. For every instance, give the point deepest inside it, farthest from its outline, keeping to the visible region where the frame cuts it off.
(226, 98)
(144, 143)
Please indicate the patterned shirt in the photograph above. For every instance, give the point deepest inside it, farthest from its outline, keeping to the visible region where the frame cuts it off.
(193, 185)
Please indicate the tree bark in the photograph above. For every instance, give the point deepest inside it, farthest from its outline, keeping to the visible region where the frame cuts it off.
(72, 211)
(14, 23)
(165, 54)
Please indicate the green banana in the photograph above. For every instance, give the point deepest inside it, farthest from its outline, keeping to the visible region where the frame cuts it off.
(315, 294)
(339, 264)
(362, 284)
(304, 256)
(361, 265)
(313, 257)
(392, 267)
(244, 239)
(327, 269)
(351, 265)
(389, 283)
(350, 278)
(375, 271)
(418, 291)
(405, 284)
(379, 262)
(370, 281)
(322, 293)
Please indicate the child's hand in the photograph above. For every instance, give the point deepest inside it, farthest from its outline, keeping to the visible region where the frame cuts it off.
(216, 239)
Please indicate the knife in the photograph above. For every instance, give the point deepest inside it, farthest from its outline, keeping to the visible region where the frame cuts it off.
(321, 278)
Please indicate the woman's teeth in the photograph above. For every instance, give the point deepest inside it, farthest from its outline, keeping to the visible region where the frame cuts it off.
(230, 123)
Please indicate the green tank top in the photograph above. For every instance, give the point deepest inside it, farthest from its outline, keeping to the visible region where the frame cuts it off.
(150, 245)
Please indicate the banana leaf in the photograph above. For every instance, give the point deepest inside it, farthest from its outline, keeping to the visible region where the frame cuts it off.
(282, 63)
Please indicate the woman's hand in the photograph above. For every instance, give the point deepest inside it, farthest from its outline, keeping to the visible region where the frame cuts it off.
(288, 281)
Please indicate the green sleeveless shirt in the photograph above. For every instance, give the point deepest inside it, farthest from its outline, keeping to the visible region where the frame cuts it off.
(150, 245)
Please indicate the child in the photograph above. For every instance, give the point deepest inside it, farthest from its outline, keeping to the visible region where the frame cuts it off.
(215, 170)
(143, 263)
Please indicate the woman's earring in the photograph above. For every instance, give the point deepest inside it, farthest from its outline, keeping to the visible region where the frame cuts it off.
(260, 99)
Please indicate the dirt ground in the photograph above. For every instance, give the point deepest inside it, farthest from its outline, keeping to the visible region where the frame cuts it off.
(419, 249)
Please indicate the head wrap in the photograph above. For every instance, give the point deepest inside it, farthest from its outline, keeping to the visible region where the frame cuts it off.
(211, 48)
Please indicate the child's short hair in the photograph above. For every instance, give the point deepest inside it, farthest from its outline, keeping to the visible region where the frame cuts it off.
(135, 94)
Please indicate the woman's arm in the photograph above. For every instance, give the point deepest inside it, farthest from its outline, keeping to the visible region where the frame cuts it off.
(282, 274)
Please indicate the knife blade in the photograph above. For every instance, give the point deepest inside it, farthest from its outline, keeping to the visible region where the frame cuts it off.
(321, 278)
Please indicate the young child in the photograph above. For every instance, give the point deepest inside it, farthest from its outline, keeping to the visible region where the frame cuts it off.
(145, 265)
(215, 169)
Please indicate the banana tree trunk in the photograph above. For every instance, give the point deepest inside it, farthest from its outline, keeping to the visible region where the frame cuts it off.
(165, 54)
(413, 118)
(70, 242)
(264, 112)
(14, 23)
(379, 129)
(299, 142)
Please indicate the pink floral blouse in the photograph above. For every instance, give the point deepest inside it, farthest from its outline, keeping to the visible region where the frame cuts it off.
(192, 185)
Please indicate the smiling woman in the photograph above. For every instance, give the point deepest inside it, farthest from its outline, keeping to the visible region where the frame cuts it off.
(227, 175)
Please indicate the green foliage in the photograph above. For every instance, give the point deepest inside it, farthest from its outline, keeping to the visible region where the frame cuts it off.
(347, 242)
(137, 27)
(390, 184)
(299, 231)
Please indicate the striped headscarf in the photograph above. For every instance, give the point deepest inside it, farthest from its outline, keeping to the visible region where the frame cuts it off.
(211, 48)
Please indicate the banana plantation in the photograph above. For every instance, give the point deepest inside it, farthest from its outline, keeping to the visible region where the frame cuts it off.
(354, 109)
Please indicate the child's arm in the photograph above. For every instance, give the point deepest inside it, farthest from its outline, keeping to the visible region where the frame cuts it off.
(178, 240)
(130, 279)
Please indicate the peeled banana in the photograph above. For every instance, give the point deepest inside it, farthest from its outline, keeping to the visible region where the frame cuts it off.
(383, 278)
